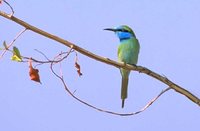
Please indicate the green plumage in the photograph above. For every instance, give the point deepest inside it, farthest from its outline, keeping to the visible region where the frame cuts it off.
(128, 51)
(124, 89)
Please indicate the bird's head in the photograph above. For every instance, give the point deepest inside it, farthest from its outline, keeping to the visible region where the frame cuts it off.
(123, 32)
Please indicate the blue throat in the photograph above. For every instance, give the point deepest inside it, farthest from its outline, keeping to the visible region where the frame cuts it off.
(122, 39)
(124, 35)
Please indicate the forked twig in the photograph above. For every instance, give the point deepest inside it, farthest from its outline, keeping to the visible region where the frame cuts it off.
(12, 42)
(100, 109)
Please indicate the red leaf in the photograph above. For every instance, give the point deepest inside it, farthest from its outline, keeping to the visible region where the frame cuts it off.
(78, 69)
(33, 73)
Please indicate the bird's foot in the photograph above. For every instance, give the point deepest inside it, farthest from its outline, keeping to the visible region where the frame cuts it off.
(133, 64)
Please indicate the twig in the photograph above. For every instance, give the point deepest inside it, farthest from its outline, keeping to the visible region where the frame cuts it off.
(141, 69)
(42, 54)
(12, 42)
(100, 109)
(152, 101)
(10, 7)
(51, 66)
(61, 58)
(78, 99)
(48, 60)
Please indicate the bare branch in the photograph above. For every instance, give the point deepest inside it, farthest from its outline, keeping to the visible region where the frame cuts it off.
(42, 54)
(58, 59)
(152, 101)
(141, 69)
(11, 43)
(9, 7)
(61, 78)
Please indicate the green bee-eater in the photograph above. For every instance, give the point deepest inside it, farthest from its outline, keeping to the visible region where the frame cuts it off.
(128, 51)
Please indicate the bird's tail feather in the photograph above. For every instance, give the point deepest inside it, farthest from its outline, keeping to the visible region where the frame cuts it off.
(124, 89)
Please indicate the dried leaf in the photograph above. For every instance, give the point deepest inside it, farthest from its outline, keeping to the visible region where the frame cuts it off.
(78, 68)
(5, 45)
(33, 73)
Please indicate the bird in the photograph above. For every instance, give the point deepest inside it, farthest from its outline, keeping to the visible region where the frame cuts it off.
(128, 51)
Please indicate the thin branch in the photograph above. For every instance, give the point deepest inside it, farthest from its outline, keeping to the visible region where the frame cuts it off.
(59, 59)
(12, 42)
(152, 101)
(9, 7)
(42, 54)
(51, 66)
(47, 59)
(100, 109)
(141, 69)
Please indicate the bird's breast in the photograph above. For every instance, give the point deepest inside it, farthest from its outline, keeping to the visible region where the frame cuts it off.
(128, 51)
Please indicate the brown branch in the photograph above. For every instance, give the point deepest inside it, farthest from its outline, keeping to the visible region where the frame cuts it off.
(59, 58)
(103, 110)
(140, 69)
(61, 78)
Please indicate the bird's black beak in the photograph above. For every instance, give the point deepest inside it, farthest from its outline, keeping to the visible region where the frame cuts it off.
(110, 29)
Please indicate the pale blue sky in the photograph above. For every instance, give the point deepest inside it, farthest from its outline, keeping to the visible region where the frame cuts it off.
(168, 32)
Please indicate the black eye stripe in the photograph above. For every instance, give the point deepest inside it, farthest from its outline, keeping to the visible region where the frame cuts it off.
(123, 30)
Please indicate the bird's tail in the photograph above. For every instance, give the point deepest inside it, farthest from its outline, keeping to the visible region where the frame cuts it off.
(124, 89)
